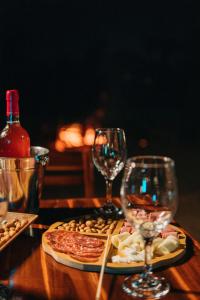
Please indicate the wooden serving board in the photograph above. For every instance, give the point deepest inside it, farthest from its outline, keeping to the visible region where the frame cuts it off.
(113, 268)
(29, 218)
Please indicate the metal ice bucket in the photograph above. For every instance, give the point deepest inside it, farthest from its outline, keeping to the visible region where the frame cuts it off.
(21, 180)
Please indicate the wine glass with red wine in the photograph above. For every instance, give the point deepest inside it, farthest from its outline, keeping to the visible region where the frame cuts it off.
(149, 200)
(109, 156)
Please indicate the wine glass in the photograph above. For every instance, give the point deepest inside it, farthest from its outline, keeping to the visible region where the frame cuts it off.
(149, 200)
(3, 198)
(4, 291)
(109, 156)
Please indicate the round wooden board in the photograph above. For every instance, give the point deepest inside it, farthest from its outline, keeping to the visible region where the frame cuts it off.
(114, 268)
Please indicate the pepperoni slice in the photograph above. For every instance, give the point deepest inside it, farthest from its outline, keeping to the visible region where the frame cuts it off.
(85, 248)
(85, 240)
(62, 235)
(69, 250)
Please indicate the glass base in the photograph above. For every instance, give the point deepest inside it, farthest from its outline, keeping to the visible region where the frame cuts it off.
(4, 292)
(110, 210)
(152, 287)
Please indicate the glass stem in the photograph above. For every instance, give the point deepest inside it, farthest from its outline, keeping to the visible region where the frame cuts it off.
(147, 259)
(108, 191)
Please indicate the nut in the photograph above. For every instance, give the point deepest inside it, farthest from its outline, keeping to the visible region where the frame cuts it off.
(9, 229)
(87, 225)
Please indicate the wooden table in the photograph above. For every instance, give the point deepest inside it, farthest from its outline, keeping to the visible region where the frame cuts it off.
(32, 274)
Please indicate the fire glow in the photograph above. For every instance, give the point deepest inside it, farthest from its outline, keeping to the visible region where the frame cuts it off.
(74, 135)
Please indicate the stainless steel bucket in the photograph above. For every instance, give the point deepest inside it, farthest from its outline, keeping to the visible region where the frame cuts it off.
(21, 180)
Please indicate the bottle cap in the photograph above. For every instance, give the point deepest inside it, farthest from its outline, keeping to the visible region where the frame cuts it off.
(12, 99)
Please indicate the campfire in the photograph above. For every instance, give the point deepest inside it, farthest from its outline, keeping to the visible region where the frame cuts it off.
(74, 136)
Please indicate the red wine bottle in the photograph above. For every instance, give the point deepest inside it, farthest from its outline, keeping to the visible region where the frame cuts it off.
(14, 139)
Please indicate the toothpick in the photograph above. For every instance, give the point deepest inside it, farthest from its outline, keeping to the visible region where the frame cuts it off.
(102, 270)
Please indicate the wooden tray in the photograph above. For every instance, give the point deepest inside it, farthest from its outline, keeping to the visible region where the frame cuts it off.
(113, 268)
(12, 215)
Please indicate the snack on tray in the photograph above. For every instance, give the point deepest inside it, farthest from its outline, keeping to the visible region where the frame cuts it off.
(79, 246)
(9, 229)
(90, 225)
(130, 246)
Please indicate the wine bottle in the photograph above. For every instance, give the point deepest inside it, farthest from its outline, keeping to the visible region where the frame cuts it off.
(14, 139)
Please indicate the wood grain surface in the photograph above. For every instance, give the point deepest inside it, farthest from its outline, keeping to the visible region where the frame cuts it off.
(30, 273)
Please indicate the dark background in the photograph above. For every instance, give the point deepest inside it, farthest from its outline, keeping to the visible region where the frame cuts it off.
(67, 58)
(138, 61)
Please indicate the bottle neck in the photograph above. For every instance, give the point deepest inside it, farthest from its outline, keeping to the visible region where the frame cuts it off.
(12, 119)
(12, 106)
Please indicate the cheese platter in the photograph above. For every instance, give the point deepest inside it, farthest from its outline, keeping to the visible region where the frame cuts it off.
(80, 243)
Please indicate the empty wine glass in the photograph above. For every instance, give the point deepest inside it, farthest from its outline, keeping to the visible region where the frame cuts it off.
(149, 201)
(3, 198)
(4, 290)
(109, 156)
